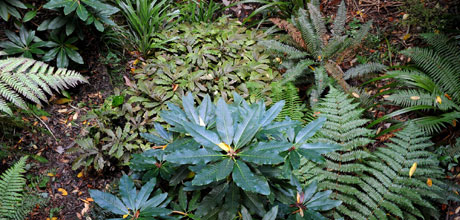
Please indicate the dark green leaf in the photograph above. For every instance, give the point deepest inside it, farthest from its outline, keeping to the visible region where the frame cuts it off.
(127, 192)
(203, 136)
(74, 55)
(211, 200)
(309, 130)
(82, 12)
(231, 203)
(144, 193)
(29, 16)
(154, 202)
(109, 202)
(271, 215)
(201, 156)
(246, 180)
(271, 114)
(214, 172)
(261, 157)
(224, 122)
(118, 100)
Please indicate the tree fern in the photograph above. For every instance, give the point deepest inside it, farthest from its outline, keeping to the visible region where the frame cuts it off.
(344, 127)
(374, 185)
(314, 49)
(32, 80)
(11, 187)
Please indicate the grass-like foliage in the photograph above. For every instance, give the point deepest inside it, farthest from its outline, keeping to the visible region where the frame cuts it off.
(33, 80)
(11, 189)
(374, 185)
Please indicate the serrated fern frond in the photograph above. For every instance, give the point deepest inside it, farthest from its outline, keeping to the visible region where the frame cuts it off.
(340, 19)
(11, 187)
(363, 69)
(294, 108)
(31, 79)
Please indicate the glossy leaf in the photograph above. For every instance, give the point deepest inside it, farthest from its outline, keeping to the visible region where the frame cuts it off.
(309, 130)
(201, 156)
(246, 180)
(224, 122)
(108, 201)
(213, 172)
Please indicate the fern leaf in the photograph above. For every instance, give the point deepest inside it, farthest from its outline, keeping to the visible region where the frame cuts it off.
(340, 19)
(283, 49)
(318, 22)
(30, 78)
(309, 34)
(11, 187)
(363, 69)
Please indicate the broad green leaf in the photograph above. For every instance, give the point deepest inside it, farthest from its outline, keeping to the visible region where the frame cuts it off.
(203, 136)
(70, 6)
(82, 12)
(311, 155)
(320, 148)
(245, 214)
(321, 202)
(29, 16)
(154, 202)
(57, 23)
(189, 108)
(246, 130)
(261, 157)
(231, 203)
(214, 172)
(211, 200)
(273, 146)
(309, 191)
(201, 156)
(74, 55)
(108, 201)
(144, 193)
(246, 180)
(206, 110)
(271, 215)
(271, 114)
(309, 130)
(127, 191)
(182, 199)
(224, 122)
(154, 211)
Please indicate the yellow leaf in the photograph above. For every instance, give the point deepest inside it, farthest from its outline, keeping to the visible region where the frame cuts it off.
(438, 99)
(407, 36)
(356, 95)
(429, 182)
(80, 174)
(312, 68)
(50, 174)
(125, 216)
(225, 147)
(62, 101)
(89, 199)
(298, 197)
(136, 62)
(412, 169)
(63, 191)
(415, 97)
(319, 57)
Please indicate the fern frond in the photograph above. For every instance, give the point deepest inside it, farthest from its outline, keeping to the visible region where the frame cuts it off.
(30, 78)
(294, 108)
(340, 19)
(412, 97)
(445, 47)
(309, 35)
(29, 202)
(362, 33)
(298, 70)
(318, 22)
(440, 69)
(291, 29)
(363, 69)
(11, 188)
(283, 49)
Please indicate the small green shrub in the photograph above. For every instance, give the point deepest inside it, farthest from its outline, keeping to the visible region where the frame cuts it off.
(199, 11)
(237, 155)
(25, 45)
(9, 8)
(133, 204)
(214, 59)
